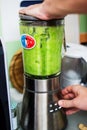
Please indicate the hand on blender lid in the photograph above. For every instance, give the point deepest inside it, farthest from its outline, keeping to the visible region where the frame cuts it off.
(56, 9)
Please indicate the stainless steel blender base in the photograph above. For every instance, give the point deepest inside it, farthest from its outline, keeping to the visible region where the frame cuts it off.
(40, 110)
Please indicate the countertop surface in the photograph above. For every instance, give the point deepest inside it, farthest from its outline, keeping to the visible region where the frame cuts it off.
(76, 119)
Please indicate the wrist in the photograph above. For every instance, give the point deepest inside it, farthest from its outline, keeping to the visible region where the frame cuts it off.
(53, 10)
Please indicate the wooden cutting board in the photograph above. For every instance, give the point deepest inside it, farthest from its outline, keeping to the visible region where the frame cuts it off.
(16, 71)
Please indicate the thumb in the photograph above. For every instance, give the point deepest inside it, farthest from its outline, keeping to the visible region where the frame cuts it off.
(66, 103)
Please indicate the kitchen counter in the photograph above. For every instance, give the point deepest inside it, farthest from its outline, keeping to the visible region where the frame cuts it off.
(75, 119)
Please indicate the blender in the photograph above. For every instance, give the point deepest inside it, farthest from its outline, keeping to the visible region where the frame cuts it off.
(42, 43)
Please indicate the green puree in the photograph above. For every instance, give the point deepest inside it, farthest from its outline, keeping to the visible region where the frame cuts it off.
(45, 58)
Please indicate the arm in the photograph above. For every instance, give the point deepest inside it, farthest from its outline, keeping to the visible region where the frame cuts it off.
(51, 9)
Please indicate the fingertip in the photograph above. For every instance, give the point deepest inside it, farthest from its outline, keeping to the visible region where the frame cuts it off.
(60, 103)
(21, 12)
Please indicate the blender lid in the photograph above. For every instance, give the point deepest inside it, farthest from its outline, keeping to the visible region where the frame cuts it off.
(29, 17)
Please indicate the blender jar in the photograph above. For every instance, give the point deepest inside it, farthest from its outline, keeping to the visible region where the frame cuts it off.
(42, 46)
